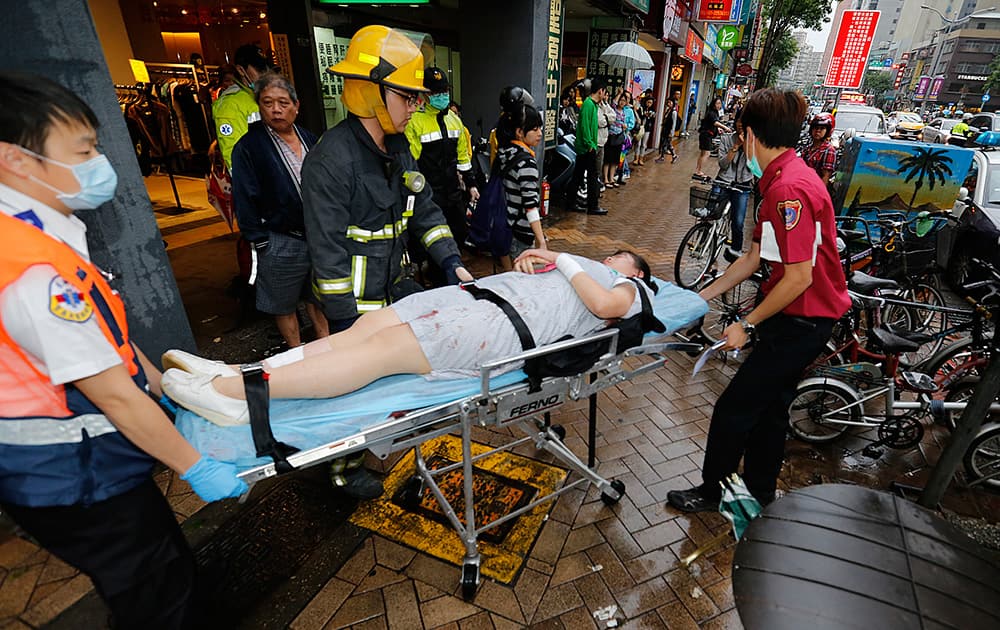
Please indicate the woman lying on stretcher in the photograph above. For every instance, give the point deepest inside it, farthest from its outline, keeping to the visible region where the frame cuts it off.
(441, 333)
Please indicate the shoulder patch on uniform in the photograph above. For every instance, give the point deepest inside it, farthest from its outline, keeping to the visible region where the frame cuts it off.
(66, 302)
(791, 212)
(29, 216)
(226, 129)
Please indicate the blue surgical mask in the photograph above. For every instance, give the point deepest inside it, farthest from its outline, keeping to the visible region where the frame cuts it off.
(97, 178)
(439, 101)
(752, 164)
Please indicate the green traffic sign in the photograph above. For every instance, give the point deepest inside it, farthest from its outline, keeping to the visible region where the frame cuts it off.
(728, 38)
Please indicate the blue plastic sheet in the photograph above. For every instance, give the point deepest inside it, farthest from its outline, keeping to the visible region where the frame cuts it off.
(311, 423)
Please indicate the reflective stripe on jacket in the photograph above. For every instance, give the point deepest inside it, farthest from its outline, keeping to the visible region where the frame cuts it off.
(57, 447)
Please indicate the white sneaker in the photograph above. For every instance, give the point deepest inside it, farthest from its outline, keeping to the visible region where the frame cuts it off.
(195, 365)
(195, 392)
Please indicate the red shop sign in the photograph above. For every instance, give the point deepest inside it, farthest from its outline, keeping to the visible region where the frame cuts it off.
(850, 52)
(715, 11)
(693, 47)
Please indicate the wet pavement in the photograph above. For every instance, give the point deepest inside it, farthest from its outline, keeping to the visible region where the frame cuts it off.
(588, 557)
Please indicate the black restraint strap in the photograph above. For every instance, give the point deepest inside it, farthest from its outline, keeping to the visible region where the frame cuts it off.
(259, 405)
(527, 341)
(650, 323)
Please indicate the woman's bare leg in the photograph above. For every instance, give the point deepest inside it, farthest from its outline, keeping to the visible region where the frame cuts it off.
(341, 369)
(367, 325)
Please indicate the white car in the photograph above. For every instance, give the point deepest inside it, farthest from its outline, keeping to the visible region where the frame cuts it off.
(867, 122)
(938, 131)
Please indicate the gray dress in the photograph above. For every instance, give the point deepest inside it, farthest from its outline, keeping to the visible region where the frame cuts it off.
(458, 333)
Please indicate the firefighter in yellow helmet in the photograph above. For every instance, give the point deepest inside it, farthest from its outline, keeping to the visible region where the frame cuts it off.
(362, 192)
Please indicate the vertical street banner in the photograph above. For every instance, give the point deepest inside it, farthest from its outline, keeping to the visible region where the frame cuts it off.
(922, 84)
(935, 88)
(600, 39)
(851, 49)
(553, 71)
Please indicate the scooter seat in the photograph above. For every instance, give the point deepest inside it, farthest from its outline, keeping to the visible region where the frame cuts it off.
(851, 235)
(861, 282)
(910, 335)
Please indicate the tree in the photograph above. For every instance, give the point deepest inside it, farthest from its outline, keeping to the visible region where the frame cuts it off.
(994, 75)
(876, 82)
(785, 52)
(925, 164)
(783, 16)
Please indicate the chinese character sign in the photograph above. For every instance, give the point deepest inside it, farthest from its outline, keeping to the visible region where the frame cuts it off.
(599, 40)
(553, 70)
(693, 48)
(850, 53)
(718, 10)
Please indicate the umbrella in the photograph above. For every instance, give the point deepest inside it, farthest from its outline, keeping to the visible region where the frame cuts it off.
(626, 56)
(738, 505)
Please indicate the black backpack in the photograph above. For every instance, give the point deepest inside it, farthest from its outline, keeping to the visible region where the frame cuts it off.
(488, 227)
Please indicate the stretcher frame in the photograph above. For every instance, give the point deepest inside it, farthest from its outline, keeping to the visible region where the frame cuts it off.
(508, 405)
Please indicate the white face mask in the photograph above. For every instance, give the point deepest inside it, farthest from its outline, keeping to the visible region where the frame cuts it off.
(97, 178)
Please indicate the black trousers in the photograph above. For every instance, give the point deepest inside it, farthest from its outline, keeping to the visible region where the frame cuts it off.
(131, 547)
(586, 165)
(750, 420)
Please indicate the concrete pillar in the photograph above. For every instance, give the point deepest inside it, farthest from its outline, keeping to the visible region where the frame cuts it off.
(293, 18)
(57, 39)
(502, 43)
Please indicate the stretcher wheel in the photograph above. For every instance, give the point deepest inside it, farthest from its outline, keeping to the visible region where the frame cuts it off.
(618, 486)
(559, 430)
(470, 581)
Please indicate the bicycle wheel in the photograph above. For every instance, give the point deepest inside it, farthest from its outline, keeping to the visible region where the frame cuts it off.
(818, 407)
(962, 392)
(695, 255)
(982, 460)
(918, 320)
(953, 363)
(729, 307)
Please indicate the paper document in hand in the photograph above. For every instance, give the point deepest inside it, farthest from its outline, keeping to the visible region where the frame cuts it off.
(706, 355)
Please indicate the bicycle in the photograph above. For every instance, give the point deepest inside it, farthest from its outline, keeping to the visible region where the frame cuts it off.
(902, 249)
(982, 459)
(833, 398)
(701, 246)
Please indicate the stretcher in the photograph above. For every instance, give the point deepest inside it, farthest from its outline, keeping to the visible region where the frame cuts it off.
(402, 412)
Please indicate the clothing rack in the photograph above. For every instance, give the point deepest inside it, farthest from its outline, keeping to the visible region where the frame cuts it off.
(143, 89)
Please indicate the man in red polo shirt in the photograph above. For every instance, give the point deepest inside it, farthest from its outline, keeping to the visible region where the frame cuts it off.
(804, 296)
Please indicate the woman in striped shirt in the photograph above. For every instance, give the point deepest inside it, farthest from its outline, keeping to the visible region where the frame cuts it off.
(518, 132)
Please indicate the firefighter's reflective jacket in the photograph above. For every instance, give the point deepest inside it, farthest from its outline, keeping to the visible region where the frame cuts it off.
(357, 211)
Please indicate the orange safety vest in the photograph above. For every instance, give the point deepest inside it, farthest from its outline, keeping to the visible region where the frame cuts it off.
(57, 447)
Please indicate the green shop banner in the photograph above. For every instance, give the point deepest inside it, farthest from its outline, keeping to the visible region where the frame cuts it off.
(553, 70)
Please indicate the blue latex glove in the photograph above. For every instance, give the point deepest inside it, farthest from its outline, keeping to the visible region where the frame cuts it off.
(213, 480)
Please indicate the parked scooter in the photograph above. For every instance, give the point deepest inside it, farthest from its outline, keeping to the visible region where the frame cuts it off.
(560, 163)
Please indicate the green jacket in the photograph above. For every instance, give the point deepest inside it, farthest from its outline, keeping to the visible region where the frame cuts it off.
(233, 112)
(586, 127)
